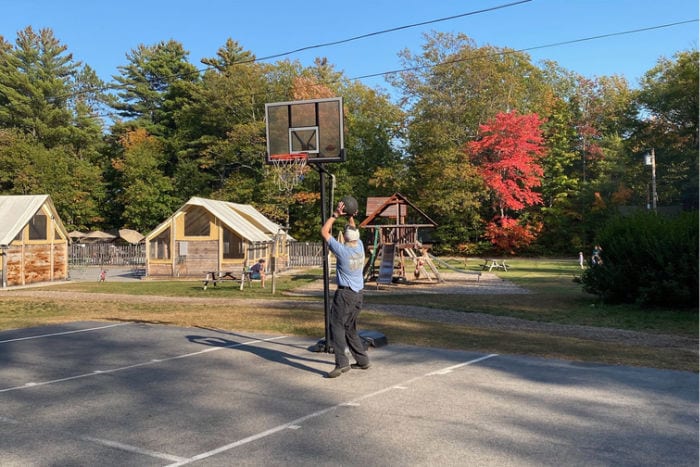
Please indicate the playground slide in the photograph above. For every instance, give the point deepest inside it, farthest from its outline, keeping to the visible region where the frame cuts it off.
(386, 267)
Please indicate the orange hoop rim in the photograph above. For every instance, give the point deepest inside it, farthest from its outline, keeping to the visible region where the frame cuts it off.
(289, 157)
(289, 169)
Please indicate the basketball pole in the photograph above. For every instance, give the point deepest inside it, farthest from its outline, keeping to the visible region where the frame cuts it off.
(293, 130)
(326, 267)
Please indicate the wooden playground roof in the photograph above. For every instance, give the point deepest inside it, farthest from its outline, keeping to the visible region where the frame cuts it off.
(395, 207)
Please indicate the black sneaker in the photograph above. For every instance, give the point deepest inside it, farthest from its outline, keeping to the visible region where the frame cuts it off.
(357, 366)
(337, 371)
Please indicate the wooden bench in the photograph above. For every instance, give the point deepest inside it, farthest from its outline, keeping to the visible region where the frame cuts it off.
(218, 276)
(494, 263)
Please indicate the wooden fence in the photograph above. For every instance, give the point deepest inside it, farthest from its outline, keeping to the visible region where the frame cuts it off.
(301, 254)
(305, 254)
(106, 254)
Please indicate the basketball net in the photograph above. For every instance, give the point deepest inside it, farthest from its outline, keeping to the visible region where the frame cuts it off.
(289, 170)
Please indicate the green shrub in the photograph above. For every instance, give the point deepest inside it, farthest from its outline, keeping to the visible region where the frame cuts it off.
(649, 260)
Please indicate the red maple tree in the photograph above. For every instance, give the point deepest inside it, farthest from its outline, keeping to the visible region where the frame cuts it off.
(507, 155)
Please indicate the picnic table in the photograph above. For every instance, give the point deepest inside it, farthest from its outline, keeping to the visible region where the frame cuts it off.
(494, 263)
(218, 276)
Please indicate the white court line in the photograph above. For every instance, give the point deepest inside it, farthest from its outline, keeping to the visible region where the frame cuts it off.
(134, 449)
(62, 333)
(450, 369)
(294, 424)
(33, 384)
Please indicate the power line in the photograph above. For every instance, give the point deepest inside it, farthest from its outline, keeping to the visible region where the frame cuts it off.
(108, 86)
(364, 36)
(385, 31)
(507, 52)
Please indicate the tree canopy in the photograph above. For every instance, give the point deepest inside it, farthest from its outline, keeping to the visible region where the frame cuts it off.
(500, 151)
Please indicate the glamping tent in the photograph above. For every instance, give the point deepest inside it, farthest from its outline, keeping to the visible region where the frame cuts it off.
(33, 241)
(208, 235)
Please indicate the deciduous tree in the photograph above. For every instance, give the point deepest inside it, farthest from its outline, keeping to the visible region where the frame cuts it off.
(668, 122)
(145, 195)
(448, 89)
(507, 156)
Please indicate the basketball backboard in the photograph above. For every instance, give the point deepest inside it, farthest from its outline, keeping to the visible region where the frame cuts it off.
(313, 126)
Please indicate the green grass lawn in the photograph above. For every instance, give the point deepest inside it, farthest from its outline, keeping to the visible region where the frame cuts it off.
(193, 288)
(555, 297)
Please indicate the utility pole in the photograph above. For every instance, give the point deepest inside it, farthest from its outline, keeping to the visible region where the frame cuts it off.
(650, 159)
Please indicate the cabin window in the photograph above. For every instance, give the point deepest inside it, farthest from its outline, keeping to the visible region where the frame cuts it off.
(233, 245)
(37, 227)
(159, 247)
(197, 223)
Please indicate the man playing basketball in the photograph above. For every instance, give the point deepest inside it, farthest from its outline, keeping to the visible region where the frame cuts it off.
(347, 301)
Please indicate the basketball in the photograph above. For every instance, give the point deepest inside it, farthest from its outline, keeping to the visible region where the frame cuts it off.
(351, 206)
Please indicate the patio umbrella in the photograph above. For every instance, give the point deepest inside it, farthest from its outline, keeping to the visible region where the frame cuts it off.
(99, 236)
(130, 236)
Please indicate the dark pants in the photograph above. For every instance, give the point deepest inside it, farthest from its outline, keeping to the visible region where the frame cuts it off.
(343, 328)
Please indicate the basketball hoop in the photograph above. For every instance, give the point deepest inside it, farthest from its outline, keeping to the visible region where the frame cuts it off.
(289, 169)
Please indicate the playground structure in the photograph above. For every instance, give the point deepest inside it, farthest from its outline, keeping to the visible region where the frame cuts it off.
(393, 225)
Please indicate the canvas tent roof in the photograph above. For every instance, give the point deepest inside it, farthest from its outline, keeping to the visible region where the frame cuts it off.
(257, 218)
(17, 211)
(243, 219)
(76, 234)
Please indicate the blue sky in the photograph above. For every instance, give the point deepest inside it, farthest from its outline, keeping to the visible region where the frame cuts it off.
(101, 33)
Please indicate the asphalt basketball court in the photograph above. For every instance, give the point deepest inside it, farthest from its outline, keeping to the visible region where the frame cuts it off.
(125, 393)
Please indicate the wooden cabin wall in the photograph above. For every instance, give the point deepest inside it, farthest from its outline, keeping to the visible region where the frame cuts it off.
(159, 269)
(14, 265)
(33, 263)
(60, 261)
(197, 258)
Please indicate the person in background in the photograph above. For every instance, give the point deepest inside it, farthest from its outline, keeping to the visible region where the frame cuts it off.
(257, 271)
(581, 261)
(348, 298)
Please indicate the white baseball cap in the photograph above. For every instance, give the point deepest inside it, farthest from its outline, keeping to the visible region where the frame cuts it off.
(351, 234)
